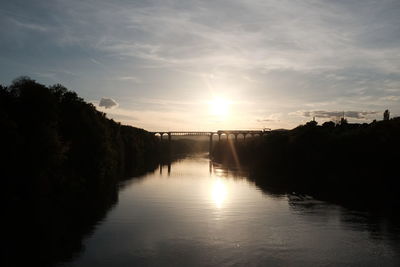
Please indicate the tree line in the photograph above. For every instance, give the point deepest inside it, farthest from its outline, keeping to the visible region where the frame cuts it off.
(52, 140)
(60, 161)
(340, 161)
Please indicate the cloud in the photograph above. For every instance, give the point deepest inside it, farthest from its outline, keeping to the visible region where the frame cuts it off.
(334, 114)
(31, 26)
(271, 31)
(282, 55)
(271, 118)
(96, 61)
(264, 120)
(108, 103)
(391, 98)
(128, 78)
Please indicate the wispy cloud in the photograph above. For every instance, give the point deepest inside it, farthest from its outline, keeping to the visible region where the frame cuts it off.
(30, 26)
(172, 56)
(391, 98)
(128, 78)
(271, 118)
(336, 114)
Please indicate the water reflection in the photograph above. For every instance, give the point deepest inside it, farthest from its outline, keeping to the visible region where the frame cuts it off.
(201, 214)
(161, 166)
(50, 229)
(219, 192)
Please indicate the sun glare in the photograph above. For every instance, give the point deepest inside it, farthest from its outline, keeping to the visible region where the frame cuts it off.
(219, 193)
(219, 107)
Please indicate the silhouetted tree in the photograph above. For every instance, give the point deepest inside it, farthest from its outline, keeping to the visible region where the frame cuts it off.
(60, 162)
(386, 115)
(301, 159)
(312, 123)
(62, 142)
(328, 124)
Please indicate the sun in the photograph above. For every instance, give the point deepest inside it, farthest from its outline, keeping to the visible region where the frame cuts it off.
(219, 107)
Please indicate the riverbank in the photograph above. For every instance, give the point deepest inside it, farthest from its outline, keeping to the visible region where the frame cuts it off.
(344, 162)
(61, 161)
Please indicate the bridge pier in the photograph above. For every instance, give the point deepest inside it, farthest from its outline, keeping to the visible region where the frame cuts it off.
(169, 150)
(211, 143)
(235, 133)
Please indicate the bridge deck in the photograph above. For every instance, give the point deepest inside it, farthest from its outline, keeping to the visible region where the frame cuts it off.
(203, 133)
(190, 133)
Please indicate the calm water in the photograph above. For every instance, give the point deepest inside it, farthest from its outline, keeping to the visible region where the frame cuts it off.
(203, 215)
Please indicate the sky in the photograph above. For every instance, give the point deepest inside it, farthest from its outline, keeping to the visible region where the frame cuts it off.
(211, 65)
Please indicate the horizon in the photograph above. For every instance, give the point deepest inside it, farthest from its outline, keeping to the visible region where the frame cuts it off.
(209, 66)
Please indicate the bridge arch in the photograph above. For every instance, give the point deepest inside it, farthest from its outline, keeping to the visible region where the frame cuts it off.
(220, 133)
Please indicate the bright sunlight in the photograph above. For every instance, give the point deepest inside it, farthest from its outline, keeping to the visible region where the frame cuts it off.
(219, 107)
(219, 193)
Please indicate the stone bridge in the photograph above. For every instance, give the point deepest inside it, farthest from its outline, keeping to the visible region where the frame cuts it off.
(220, 133)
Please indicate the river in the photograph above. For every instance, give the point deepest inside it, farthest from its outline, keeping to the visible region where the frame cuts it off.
(195, 213)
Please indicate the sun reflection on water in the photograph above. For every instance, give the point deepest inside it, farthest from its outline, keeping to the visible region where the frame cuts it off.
(219, 192)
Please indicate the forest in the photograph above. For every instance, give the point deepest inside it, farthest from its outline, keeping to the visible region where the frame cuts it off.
(61, 162)
(53, 141)
(344, 162)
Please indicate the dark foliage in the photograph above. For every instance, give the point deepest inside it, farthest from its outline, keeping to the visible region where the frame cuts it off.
(386, 115)
(344, 162)
(61, 161)
(181, 147)
(54, 141)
